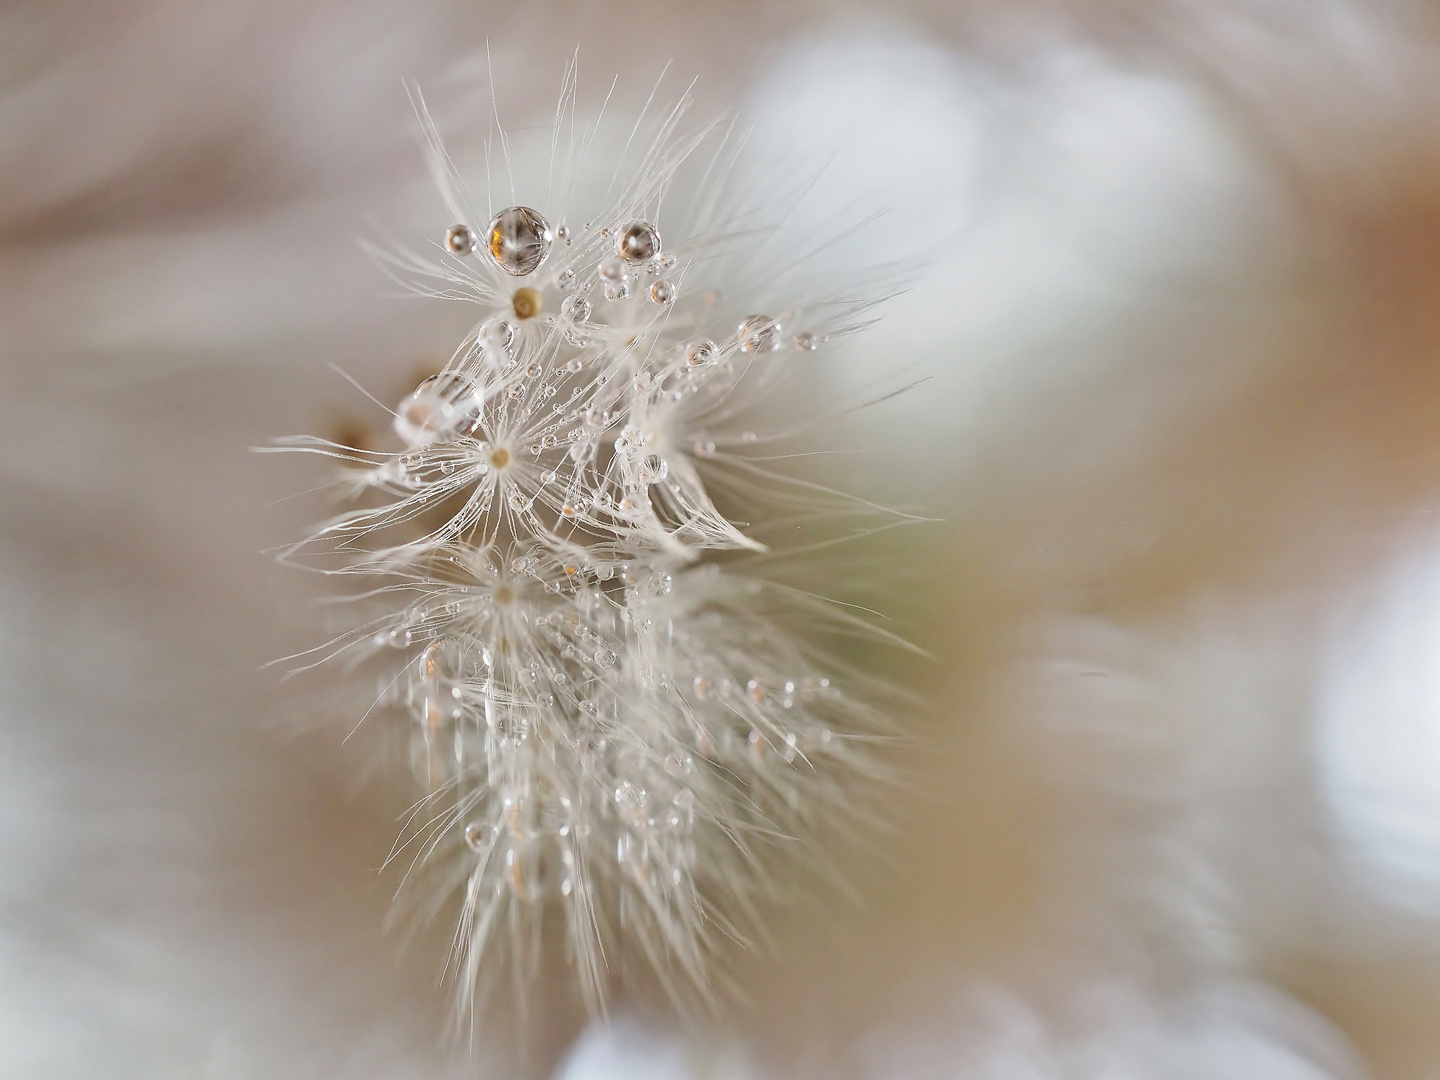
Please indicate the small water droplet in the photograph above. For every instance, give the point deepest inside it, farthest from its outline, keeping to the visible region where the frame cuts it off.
(563, 233)
(701, 353)
(663, 292)
(576, 309)
(519, 238)
(638, 242)
(604, 657)
(461, 240)
(497, 333)
(478, 835)
(652, 469)
(808, 342)
(441, 408)
(617, 290)
(612, 269)
(759, 334)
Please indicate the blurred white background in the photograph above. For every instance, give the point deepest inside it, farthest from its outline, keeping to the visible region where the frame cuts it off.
(1176, 289)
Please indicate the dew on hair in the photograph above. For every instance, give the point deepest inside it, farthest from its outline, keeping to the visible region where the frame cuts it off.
(808, 342)
(441, 408)
(461, 240)
(519, 238)
(478, 835)
(701, 353)
(759, 334)
(638, 242)
(663, 292)
(497, 333)
(576, 308)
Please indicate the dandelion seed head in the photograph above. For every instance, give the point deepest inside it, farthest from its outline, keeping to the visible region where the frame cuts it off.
(605, 725)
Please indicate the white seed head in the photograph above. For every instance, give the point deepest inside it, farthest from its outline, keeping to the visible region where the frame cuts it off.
(606, 725)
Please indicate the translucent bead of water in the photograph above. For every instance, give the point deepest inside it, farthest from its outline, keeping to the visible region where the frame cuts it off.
(461, 240)
(759, 334)
(701, 353)
(637, 242)
(652, 469)
(663, 292)
(808, 342)
(617, 290)
(478, 835)
(497, 333)
(519, 238)
(612, 269)
(576, 309)
(563, 233)
(441, 408)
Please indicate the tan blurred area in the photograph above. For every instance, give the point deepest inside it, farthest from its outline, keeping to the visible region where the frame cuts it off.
(1172, 805)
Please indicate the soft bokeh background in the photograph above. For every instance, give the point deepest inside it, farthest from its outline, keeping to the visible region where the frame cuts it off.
(1175, 808)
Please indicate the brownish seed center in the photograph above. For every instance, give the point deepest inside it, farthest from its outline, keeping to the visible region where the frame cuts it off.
(527, 302)
(499, 457)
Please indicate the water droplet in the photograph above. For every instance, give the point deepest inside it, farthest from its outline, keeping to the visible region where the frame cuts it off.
(808, 342)
(519, 238)
(702, 688)
(701, 353)
(441, 408)
(652, 469)
(497, 333)
(663, 291)
(527, 302)
(518, 501)
(629, 507)
(666, 261)
(630, 802)
(617, 290)
(576, 309)
(563, 233)
(460, 240)
(613, 270)
(638, 242)
(478, 835)
(604, 657)
(565, 279)
(759, 334)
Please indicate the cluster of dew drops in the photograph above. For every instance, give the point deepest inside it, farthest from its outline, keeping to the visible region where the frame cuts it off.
(603, 722)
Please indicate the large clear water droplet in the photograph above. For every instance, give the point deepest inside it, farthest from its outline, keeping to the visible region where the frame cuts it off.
(519, 238)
